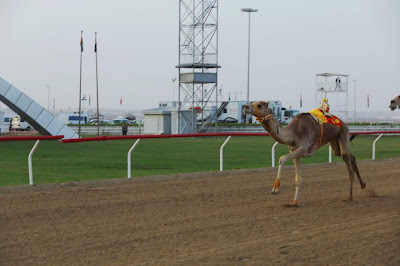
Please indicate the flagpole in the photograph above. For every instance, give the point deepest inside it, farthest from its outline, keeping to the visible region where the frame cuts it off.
(97, 86)
(80, 88)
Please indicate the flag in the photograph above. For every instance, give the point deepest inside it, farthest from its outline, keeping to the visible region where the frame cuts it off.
(120, 101)
(95, 44)
(54, 102)
(368, 100)
(89, 99)
(81, 44)
(301, 101)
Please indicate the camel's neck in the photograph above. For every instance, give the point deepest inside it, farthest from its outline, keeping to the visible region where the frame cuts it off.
(278, 133)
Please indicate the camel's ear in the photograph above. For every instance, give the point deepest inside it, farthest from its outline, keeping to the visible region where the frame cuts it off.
(266, 104)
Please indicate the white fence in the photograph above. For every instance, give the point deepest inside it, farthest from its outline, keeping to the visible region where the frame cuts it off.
(139, 130)
(256, 129)
(108, 130)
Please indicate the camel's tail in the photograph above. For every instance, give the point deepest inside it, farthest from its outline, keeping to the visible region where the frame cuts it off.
(353, 137)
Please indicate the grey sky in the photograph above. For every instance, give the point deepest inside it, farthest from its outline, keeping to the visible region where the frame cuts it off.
(292, 41)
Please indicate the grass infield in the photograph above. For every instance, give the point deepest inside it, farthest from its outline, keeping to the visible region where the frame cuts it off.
(54, 162)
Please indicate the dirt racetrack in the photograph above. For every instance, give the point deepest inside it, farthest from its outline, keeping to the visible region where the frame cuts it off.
(207, 218)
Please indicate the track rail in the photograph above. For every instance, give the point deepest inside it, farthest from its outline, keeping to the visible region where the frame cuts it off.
(197, 135)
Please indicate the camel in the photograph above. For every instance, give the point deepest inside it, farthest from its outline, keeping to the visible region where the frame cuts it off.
(304, 135)
(395, 103)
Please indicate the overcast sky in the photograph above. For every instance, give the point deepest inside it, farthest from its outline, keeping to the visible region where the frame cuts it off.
(292, 41)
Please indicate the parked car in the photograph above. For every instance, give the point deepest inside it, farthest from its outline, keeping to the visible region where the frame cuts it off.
(120, 120)
(94, 121)
(228, 120)
(386, 122)
(139, 122)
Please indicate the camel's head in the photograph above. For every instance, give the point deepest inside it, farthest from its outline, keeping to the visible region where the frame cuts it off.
(394, 103)
(258, 109)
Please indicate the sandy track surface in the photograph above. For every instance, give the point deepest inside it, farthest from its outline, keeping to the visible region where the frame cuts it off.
(207, 218)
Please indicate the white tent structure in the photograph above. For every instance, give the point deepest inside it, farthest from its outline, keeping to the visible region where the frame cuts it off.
(37, 116)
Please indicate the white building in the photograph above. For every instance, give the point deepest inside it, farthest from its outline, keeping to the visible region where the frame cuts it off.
(3, 126)
(164, 120)
(157, 120)
(72, 118)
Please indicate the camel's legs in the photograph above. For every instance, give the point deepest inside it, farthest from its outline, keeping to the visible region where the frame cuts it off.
(354, 163)
(344, 147)
(299, 152)
(299, 180)
(337, 151)
(335, 147)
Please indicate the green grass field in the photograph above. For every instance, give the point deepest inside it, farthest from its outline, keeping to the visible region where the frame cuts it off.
(55, 162)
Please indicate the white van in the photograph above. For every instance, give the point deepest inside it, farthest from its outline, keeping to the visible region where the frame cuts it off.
(288, 114)
(18, 123)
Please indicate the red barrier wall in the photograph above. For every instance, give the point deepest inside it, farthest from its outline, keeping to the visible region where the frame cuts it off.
(32, 138)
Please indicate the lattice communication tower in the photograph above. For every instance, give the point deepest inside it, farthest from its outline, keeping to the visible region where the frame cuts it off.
(198, 64)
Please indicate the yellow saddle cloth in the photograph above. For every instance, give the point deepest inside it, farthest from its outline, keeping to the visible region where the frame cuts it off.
(322, 119)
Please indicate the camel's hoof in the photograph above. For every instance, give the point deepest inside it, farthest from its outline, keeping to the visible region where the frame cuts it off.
(363, 185)
(348, 200)
(294, 204)
(277, 184)
(275, 189)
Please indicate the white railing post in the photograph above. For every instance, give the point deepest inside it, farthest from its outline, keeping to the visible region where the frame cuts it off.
(221, 154)
(373, 146)
(30, 162)
(330, 154)
(273, 154)
(129, 157)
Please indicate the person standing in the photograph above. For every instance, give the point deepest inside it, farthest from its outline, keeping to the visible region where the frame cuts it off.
(338, 84)
(124, 129)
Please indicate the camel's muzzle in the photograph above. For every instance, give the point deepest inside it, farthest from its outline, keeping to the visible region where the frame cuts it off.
(246, 109)
(393, 105)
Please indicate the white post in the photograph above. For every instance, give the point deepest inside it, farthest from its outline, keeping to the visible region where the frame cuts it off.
(373, 146)
(221, 154)
(273, 154)
(129, 157)
(30, 162)
(330, 154)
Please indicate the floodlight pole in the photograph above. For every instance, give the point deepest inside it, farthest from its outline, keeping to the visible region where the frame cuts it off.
(48, 97)
(355, 100)
(97, 88)
(80, 88)
(248, 10)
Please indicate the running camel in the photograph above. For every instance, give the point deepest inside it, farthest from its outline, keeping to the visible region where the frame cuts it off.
(395, 103)
(304, 135)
